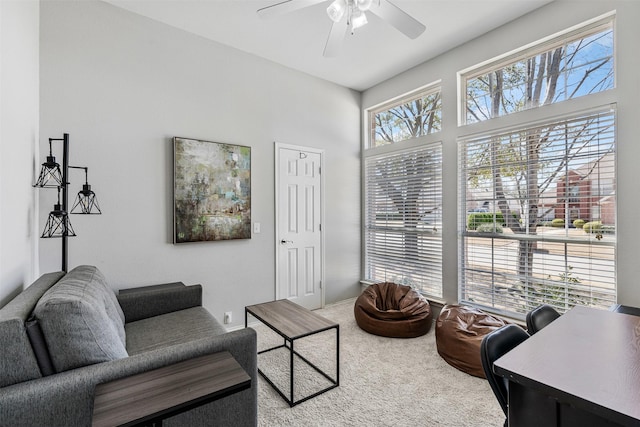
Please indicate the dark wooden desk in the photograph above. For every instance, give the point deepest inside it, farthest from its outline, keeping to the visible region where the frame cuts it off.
(149, 397)
(581, 370)
(625, 309)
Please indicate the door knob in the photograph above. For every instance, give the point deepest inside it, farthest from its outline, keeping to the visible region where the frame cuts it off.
(283, 242)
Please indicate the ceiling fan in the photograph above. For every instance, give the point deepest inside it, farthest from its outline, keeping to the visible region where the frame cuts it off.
(348, 15)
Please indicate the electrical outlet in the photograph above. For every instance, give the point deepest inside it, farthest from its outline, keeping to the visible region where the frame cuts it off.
(227, 317)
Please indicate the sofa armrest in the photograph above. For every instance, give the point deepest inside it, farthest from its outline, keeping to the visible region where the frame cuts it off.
(141, 303)
(66, 398)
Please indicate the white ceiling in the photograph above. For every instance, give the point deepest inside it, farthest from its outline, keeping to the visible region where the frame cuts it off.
(375, 53)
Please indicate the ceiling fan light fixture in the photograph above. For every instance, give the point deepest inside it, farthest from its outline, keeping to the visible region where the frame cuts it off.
(337, 10)
(364, 5)
(358, 19)
(348, 15)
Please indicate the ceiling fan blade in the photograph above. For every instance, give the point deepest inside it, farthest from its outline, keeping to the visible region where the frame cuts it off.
(285, 6)
(398, 18)
(336, 38)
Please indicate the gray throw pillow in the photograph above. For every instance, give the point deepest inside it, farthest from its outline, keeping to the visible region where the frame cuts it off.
(79, 322)
(84, 274)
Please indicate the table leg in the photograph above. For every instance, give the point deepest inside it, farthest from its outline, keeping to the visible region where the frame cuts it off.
(291, 374)
(337, 355)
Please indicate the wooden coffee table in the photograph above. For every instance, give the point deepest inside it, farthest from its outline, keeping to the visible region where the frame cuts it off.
(293, 322)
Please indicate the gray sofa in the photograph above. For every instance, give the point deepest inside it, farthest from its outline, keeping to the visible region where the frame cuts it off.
(66, 333)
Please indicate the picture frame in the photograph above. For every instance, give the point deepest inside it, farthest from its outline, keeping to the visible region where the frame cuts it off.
(211, 191)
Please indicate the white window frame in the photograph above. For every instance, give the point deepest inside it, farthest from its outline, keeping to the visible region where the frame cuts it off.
(424, 91)
(581, 30)
(555, 111)
(430, 140)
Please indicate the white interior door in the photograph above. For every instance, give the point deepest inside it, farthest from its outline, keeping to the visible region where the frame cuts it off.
(299, 264)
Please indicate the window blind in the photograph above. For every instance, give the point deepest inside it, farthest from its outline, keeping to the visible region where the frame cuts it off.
(538, 215)
(403, 218)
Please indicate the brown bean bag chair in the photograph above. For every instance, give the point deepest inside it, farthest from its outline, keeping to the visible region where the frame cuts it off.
(459, 332)
(393, 310)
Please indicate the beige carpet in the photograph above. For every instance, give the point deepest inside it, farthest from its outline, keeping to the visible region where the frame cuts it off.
(383, 382)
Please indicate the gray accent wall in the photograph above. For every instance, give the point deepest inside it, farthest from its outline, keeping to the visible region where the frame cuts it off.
(122, 86)
(545, 21)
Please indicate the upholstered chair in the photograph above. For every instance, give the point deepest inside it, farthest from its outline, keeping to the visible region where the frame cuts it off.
(494, 346)
(540, 317)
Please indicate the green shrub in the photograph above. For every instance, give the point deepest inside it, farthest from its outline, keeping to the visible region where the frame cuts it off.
(554, 291)
(578, 223)
(592, 227)
(474, 219)
(608, 229)
(558, 222)
(488, 228)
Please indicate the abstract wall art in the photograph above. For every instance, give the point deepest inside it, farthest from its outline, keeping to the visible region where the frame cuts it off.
(212, 191)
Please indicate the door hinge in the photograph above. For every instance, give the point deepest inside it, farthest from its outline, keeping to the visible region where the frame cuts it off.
(320, 284)
(320, 227)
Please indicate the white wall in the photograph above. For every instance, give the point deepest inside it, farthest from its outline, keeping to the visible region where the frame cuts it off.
(122, 86)
(18, 144)
(543, 22)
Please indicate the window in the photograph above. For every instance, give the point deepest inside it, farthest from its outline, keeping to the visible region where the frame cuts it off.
(574, 193)
(549, 236)
(548, 182)
(413, 116)
(569, 66)
(403, 193)
(403, 218)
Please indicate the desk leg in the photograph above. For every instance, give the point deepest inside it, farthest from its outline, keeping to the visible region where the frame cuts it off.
(529, 408)
(154, 423)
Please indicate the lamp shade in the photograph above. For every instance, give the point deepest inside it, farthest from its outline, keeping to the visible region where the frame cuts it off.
(337, 10)
(358, 19)
(364, 4)
(50, 174)
(58, 224)
(86, 202)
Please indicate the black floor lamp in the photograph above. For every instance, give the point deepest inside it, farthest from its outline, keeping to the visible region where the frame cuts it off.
(52, 176)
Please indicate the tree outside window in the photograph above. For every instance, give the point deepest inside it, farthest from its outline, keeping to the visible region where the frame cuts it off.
(412, 117)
